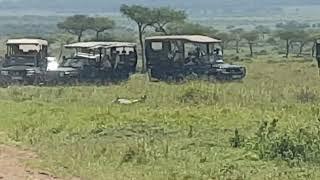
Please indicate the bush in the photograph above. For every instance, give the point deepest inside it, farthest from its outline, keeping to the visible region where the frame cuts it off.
(294, 147)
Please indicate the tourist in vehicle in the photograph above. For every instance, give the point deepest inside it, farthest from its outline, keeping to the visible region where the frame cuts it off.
(106, 64)
(190, 60)
(117, 59)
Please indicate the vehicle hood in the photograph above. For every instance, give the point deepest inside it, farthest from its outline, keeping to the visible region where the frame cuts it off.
(225, 66)
(17, 68)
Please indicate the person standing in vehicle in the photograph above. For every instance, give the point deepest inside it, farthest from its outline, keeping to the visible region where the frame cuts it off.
(117, 60)
(106, 69)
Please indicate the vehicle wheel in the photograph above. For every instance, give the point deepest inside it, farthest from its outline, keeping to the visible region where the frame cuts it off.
(180, 78)
(4, 83)
(150, 76)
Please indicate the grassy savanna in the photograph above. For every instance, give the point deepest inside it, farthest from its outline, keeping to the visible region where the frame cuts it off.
(184, 131)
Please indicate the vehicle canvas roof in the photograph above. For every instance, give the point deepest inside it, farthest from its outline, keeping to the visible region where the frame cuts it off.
(116, 44)
(27, 41)
(95, 45)
(85, 44)
(190, 38)
(86, 55)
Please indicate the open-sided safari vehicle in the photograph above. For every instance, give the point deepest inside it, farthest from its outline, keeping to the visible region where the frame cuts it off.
(25, 62)
(96, 62)
(181, 56)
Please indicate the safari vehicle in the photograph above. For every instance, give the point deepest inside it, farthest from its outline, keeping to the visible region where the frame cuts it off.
(25, 62)
(178, 57)
(96, 62)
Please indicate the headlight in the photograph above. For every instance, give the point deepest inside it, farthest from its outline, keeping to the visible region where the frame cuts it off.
(5, 73)
(67, 73)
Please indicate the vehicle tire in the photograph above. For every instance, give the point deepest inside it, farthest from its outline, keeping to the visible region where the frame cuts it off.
(3, 83)
(150, 76)
(180, 78)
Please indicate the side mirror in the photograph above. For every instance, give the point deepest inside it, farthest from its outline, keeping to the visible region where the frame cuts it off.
(63, 57)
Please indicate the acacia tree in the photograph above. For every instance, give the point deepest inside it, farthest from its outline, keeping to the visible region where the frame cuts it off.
(226, 38)
(141, 16)
(101, 24)
(164, 16)
(302, 38)
(76, 25)
(287, 36)
(237, 37)
(251, 37)
(263, 30)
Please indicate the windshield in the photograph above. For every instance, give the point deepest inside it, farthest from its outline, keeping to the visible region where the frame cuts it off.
(199, 52)
(77, 62)
(21, 61)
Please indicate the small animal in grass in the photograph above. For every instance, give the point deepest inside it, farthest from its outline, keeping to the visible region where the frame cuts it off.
(124, 101)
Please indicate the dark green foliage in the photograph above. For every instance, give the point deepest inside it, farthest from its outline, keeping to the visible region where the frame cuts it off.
(263, 30)
(164, 16)
(286, 35)
(101, 24)
(251, 38)
(76, 25)
(301, 145)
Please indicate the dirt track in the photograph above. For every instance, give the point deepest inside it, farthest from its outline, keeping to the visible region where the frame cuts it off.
(12, 167)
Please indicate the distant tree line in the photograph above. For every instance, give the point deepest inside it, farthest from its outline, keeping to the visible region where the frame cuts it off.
(167, 21)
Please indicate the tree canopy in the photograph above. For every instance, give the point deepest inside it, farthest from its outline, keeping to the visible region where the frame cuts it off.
(163, 16)
(263, 30)
(76, 25)
(101, 24)
(286, 35)
(251, 37)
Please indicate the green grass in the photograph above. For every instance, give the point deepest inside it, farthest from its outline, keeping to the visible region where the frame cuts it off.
(180, 132)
